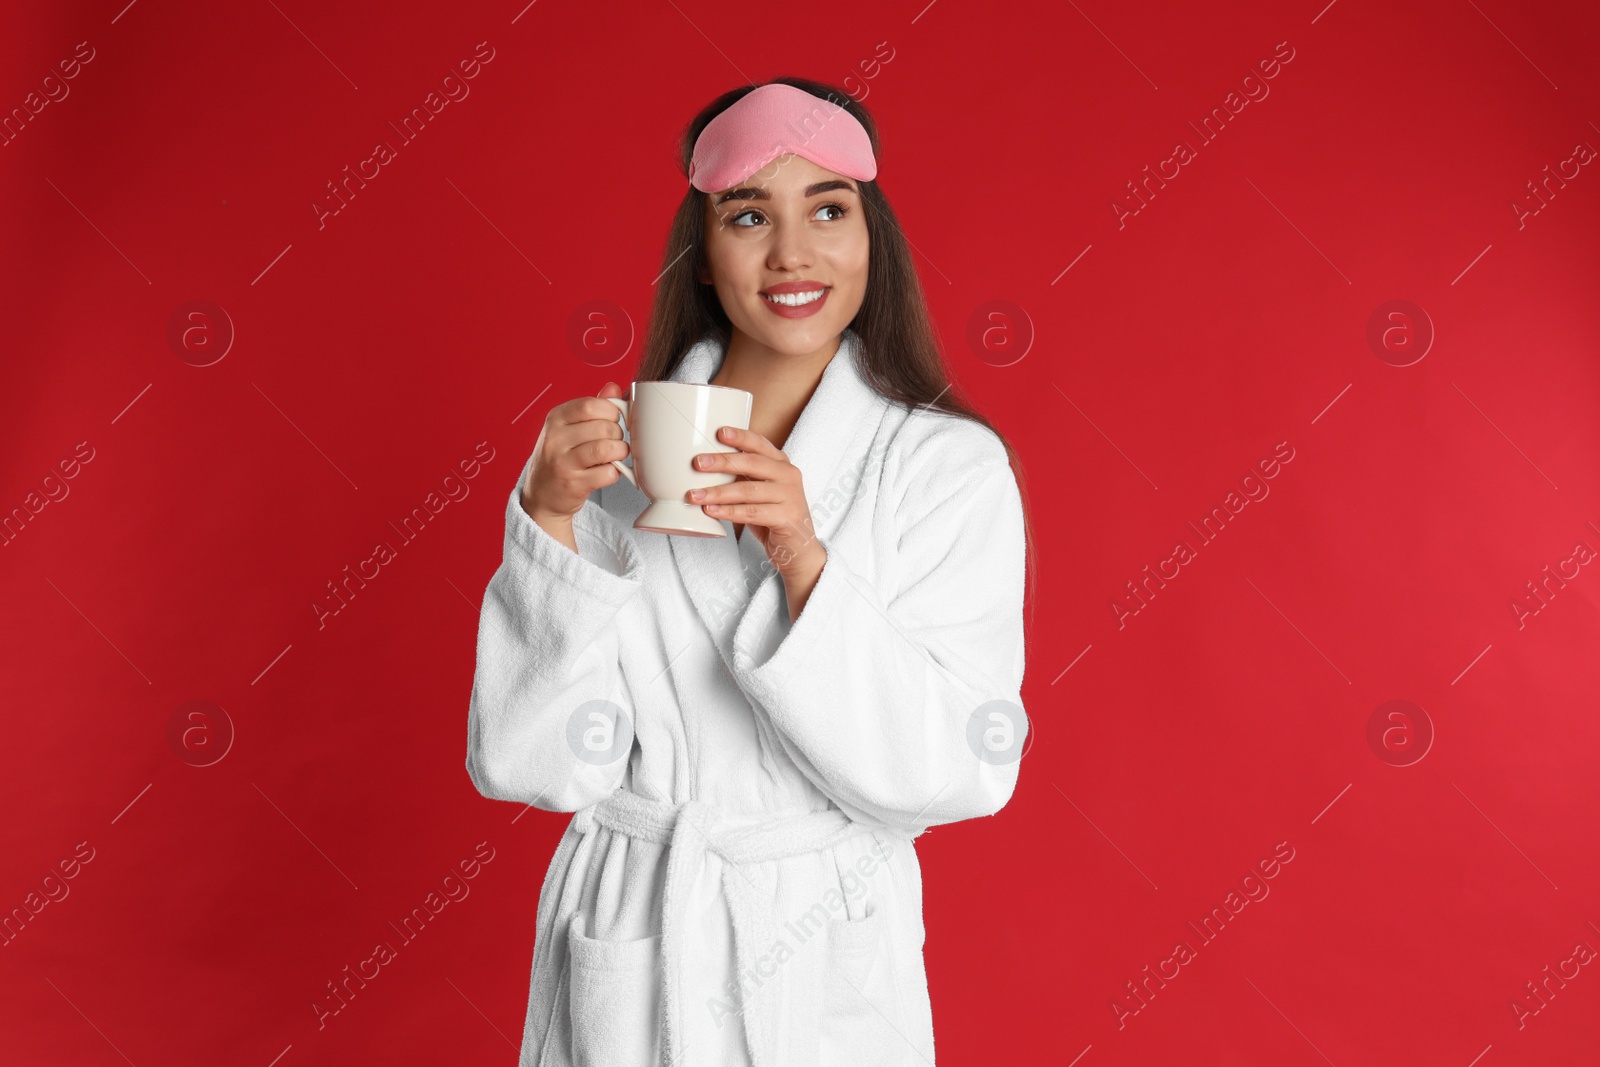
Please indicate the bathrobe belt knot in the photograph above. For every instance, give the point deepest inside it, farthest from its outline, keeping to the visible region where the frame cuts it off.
(691, 831)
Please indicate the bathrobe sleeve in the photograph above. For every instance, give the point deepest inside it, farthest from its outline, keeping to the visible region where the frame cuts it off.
(904, 697)
(547, 644)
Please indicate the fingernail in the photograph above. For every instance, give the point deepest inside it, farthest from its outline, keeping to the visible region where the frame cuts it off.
(696, 494)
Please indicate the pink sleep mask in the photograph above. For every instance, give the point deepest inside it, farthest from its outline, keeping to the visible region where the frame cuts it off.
(774, 120)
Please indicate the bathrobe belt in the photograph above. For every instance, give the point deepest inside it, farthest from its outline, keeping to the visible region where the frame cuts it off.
(691, 831)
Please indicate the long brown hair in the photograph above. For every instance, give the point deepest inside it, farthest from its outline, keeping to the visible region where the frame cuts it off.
(901, 356)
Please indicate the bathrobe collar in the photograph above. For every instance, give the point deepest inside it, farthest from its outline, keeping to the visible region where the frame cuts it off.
(828, 443)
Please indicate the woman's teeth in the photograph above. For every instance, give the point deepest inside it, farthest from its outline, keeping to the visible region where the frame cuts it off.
(795, 299)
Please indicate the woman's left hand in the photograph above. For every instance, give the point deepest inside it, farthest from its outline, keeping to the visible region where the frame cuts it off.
(769, 497)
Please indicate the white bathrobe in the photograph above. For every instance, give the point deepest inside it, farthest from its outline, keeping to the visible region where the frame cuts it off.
(738, 884)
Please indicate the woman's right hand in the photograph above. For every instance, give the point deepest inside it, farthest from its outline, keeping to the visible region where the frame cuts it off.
(573, 456)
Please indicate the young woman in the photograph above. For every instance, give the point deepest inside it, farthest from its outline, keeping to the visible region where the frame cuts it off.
(751, 729)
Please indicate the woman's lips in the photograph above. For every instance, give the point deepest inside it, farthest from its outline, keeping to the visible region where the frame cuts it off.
(797, 312)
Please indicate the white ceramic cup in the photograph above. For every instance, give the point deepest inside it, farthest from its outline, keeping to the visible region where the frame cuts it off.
(666, 425)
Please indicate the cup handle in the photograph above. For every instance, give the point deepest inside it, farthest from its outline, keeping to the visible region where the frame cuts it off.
(627, 471)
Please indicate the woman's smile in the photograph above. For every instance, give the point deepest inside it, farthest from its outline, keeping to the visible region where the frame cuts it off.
(795, 300)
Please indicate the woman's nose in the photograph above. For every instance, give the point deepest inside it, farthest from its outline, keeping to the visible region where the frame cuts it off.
(791, 247)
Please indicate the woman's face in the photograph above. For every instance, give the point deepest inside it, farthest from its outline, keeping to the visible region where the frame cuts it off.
(791, 221)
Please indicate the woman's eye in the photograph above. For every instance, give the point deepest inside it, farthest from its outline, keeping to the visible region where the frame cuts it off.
(840, 208)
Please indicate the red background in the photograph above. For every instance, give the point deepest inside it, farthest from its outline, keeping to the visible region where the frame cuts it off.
(1172, 750)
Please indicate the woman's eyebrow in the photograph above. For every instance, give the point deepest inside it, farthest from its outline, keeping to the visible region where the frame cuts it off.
(751, 192)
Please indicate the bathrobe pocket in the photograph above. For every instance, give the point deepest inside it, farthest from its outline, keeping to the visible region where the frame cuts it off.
(860, 1006)
(613, 996)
